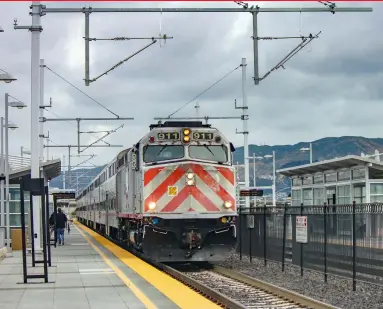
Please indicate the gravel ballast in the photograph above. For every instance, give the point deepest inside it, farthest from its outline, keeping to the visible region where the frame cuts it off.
(337, 291)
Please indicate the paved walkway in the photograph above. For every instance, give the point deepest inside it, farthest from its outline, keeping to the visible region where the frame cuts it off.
(79, 278)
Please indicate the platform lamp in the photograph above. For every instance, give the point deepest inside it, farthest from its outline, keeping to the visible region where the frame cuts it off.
(6, 77)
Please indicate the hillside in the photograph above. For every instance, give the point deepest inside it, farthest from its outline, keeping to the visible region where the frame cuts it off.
(285, 155)
(290, 155)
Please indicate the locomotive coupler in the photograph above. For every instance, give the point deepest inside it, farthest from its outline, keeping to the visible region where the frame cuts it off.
(193, 240)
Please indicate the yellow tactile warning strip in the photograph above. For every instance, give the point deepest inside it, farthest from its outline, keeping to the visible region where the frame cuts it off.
(136, 291)
(177, 292)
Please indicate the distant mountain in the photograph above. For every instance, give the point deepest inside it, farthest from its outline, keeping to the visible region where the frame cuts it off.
(285, 156)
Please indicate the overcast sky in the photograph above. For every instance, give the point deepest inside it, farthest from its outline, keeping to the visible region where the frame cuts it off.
(331, 88)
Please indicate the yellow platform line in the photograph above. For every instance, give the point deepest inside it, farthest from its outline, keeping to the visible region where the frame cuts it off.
(177, 292)
(140, 295)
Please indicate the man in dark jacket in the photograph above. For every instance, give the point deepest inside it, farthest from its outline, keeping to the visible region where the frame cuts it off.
(61, 222)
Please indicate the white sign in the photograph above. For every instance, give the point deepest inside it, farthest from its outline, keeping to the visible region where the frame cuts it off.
(301, 229)
(250, 221)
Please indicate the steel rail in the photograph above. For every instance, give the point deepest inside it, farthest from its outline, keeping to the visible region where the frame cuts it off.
(273, 289)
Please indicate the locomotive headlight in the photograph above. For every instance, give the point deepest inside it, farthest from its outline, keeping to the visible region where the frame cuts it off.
(227, 204)
(152, 205)
(190, 175)
(190, 182)
(186, 139)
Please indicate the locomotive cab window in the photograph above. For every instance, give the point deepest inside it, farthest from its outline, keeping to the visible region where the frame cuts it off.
(155, 153)
(216, 153)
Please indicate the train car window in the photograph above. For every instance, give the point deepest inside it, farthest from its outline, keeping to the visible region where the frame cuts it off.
(216, 153)
(155, 153)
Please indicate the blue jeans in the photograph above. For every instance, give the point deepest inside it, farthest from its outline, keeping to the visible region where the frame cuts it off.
(60, 235)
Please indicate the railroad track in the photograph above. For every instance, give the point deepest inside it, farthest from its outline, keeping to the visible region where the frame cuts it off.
(250, 293)
(230, 289)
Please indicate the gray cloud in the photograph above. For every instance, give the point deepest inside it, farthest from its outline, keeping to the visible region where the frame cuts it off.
(328, 89)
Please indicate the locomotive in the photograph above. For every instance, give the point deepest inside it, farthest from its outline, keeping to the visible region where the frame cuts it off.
(171, 196)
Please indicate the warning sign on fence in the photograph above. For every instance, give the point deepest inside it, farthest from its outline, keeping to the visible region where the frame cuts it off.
(301, 229)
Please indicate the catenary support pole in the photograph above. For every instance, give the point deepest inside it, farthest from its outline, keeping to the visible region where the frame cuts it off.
(78, 135)
(41, 108)
(69, 169)
(2, 218)
(255, 179)
(245, 131)
(255, 47)
(274, 182)
(7, 172)
(35, 102)
(86, 49)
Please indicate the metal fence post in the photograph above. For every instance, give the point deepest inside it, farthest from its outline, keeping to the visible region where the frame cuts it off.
(32, 236)
(250, 247)
(240, 232)
(264, 234)
(301, 259)
(284, 237)
(353, 248)
(325, 240)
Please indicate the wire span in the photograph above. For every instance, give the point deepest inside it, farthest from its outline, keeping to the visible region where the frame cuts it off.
(65, 80)
(197, 96)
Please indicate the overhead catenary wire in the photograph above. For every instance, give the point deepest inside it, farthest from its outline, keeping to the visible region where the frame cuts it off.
(88, 96)
(201, 93)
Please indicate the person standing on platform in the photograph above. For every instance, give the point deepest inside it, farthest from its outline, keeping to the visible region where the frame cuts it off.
(61, 223)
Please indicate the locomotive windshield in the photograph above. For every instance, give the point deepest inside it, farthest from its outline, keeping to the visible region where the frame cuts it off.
(216, 153)
(156, 153)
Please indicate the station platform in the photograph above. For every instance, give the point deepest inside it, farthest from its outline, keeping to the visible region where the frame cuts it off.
(90, 272)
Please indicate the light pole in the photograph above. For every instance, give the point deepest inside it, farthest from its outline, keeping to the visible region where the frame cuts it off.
(19, 105)
(274, 180)
(309, 149)
(254, 176)
(7, 78)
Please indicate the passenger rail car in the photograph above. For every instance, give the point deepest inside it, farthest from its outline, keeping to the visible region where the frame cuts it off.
(171, 196)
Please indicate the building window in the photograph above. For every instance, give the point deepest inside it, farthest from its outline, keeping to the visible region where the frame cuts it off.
(297, 182)
(318, 196)
(308, 180)
(330, 177)
(376, 192)
(343, 195)
(358, 173)
(359, 194)
(344, 175)
(295, 197)
(318, 178)
(307, 197)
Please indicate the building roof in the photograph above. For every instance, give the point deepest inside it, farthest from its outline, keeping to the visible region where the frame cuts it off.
(51, 169)
(343, 162)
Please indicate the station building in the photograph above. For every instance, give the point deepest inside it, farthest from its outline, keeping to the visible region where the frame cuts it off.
(339, 181)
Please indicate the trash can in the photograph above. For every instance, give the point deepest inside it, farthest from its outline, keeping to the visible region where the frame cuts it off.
(16, 239)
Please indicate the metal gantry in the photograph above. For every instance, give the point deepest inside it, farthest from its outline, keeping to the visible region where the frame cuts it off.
(43, 10)
(44, 119)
